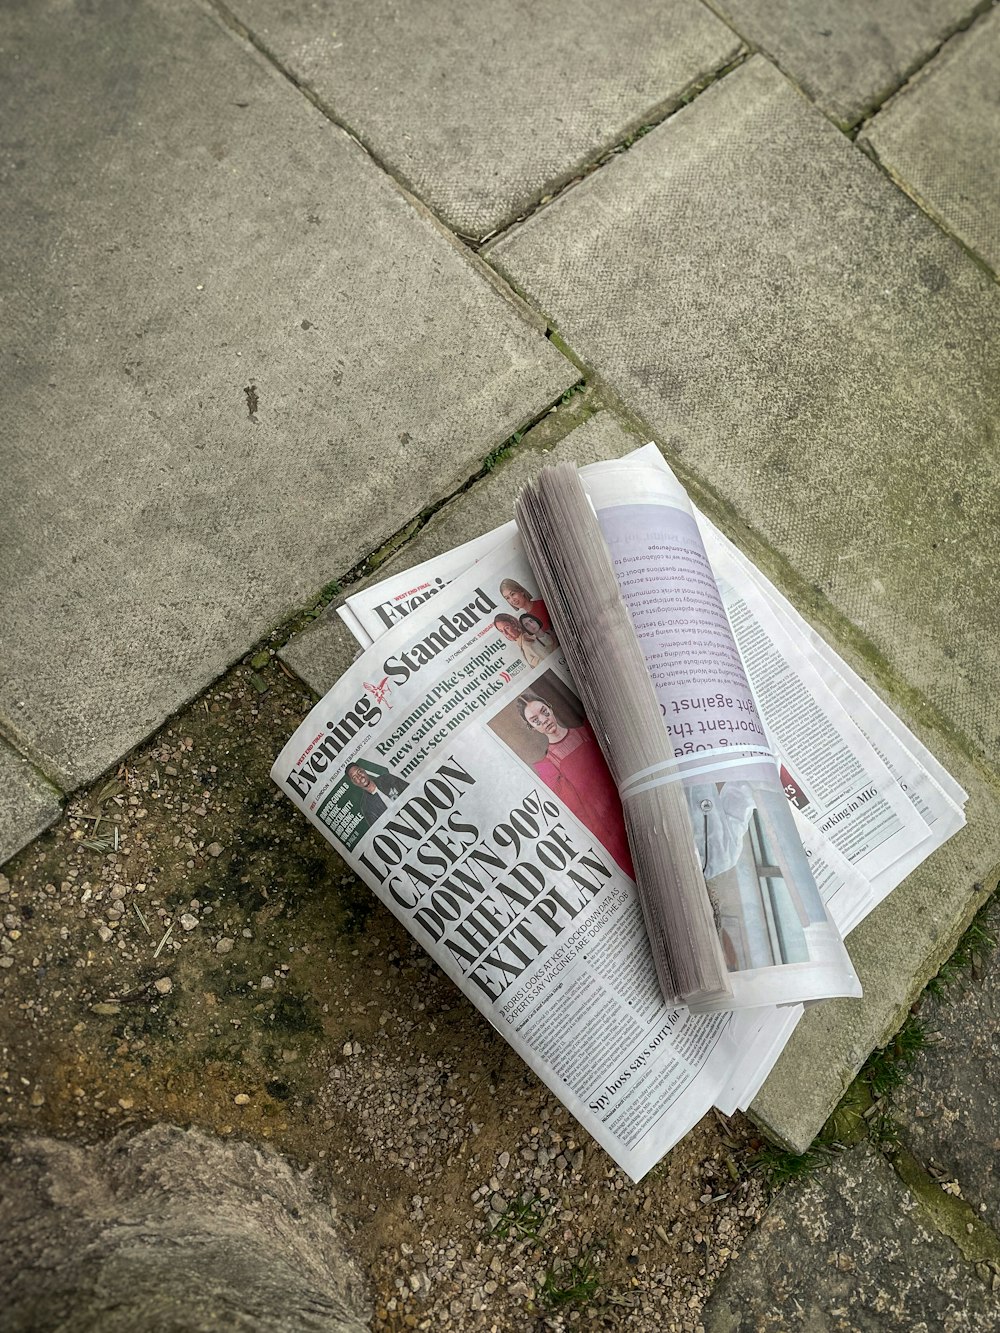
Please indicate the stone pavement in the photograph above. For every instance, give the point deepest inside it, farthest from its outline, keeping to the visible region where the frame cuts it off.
(239, 359)
(251, 334)
(483, 111)
(938, 138)
(907, 1237)
(850, 56)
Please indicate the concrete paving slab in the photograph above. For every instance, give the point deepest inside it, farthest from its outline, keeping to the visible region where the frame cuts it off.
(896, 951)
(949, 1109)
(323, 652)
(240, 359)
(939, 138)
(850, 1248)
(482, 109)
(849, 56)
(815, 356)
(28, 804)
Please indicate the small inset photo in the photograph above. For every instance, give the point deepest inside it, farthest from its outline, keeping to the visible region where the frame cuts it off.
(546, 728)
(359, 800)
(527, 624)
(758, 880)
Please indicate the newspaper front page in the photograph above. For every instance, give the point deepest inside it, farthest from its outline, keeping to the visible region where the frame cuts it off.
(501, 847)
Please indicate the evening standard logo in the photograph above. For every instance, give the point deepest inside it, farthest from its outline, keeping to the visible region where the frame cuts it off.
(379, 691)
(324, 748)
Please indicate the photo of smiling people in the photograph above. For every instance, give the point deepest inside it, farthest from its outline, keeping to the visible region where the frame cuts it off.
(530, 627)
(359, 800)
(530, 648)
(546, 728)
(517, 596)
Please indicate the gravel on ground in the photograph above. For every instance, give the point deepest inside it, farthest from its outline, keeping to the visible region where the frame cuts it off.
(183, 947)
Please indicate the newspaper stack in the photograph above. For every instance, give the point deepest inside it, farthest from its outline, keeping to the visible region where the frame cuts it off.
(455, 769)
(625, 574)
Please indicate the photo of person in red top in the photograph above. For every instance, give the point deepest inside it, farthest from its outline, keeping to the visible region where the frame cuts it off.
(517, 595)
(572, 766)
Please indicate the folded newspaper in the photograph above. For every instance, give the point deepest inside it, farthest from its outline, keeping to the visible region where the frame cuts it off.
(457, 771)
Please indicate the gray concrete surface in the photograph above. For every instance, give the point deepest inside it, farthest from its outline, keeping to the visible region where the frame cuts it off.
(28, 803)
(851, 55)
(940, 138)
(896, 951)
(482, 109)
(850, 1249)
(182, 224)
(168, 1230)
(324, 651)
(811, 350)
(949, 1109)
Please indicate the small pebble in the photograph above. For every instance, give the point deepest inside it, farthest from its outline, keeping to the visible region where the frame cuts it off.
(188, 922)
(126, 1103)
(106, 933)
(267, 983)
(106, 1007)
(163, 986)
(38, 1097)
(214, 849)
(225, 945)
(241, 1099)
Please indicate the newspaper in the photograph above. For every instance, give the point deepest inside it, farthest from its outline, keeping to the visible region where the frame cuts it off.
(512, 869)
(732, 910)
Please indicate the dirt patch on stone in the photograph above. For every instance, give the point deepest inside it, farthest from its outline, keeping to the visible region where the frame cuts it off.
(183, 947)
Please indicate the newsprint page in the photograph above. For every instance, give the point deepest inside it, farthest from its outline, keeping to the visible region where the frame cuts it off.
(454, 769)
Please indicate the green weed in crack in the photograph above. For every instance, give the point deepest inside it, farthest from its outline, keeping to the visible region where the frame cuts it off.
(965, 960)
(502, 451)
(779, 1167)
(886, 1069)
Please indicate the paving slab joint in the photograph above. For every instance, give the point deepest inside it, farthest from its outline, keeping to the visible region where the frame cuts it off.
(982, 8)
(754, 48)
(467, 246)
(24, 751)
(852, 128)
(867, 1111)
(650, 120)
(870, 151)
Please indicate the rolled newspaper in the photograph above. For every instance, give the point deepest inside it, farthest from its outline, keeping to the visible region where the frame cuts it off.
(731, 909)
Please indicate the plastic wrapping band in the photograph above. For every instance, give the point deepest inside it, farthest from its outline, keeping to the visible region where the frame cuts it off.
(659, 775)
